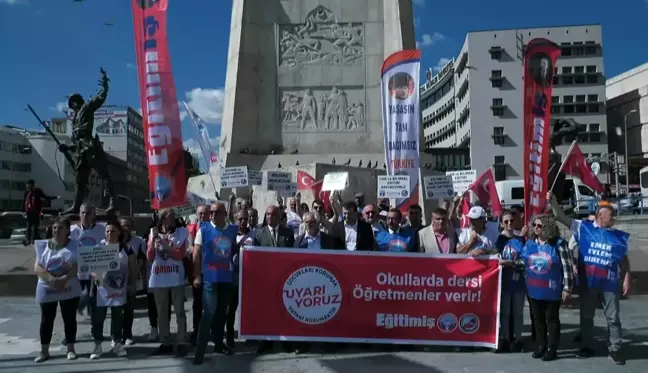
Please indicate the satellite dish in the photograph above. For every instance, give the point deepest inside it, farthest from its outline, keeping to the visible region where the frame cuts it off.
(596, 168)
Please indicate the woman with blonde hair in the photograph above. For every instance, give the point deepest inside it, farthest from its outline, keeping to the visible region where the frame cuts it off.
(549, 280)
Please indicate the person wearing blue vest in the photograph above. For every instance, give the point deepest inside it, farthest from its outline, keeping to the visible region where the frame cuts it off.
(397, 238)
(549, 280)
(602, 258)
(214, 247)
(513, 290)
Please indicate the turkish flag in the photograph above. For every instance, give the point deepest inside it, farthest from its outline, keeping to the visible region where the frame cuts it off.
(307, 182)
(575, 165)
(484, 189)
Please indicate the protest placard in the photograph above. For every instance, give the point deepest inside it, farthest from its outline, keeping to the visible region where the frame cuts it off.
(234, 177)
(255, 178)
(461, 180)
(335, 181)
(98, 259)
(279, 181)
(394, 186)
(438, 186)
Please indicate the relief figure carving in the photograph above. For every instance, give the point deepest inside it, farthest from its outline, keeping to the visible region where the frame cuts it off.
(321, 40)
(321, 111)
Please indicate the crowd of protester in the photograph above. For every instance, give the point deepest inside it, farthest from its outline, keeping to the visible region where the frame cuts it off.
(539, 266)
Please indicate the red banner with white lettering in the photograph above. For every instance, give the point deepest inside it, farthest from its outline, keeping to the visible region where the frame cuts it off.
(161, 118)
(540, 58)
(369, 297)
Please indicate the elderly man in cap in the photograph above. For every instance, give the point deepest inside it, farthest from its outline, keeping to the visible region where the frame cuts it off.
(88, 148)
(475, 239)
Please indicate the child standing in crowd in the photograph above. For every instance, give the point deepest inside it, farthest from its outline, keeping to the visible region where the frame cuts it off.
(167, 247)
(58, 285)
(111, 290)
(513, 291)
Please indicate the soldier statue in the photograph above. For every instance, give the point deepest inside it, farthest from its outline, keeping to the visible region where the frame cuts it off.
(89, 151)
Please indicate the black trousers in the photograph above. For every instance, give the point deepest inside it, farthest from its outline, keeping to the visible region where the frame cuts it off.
(546, 318)
(129, 316)
(68, 313)
(33, 223)
(196, 306)
(231, 313)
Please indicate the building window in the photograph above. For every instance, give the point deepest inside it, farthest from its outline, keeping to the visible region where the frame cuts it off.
(568, 99)
(590, 51)
(593, 108)
(578, 51)
(579, 69)
(592, 79)
(497, 83)
(496, 73)
(498, 135)
(592, 98)
(568, 109)
(567, 80)
(595, 127)
(498, 107)
(498, 102)
(566, 70)
(555, 110)
(591, 69)
(581, 109)
(555, 99)
(579, 79)
(566, 51)
(580, 98)
(500, 159)
(496, 55)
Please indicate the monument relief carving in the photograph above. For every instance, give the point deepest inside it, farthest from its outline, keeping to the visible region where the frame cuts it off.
(320, 39)
(324, 110)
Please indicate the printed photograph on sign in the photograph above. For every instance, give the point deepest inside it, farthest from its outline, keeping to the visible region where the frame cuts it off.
(401, 86)
(234, 177)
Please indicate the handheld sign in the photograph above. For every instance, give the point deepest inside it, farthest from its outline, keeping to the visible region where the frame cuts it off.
(394, 186)
(98, 259)
(438, 186)
(234, 177)
(335, 181)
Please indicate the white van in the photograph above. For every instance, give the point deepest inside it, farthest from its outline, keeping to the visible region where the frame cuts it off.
(580, 197)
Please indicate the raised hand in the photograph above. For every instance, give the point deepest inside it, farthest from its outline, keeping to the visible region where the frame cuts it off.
(104, 77)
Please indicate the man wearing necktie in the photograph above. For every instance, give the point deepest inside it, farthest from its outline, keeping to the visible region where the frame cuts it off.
(273, 235)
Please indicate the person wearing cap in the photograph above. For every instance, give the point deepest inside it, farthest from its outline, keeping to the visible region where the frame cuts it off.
(602, 258)
(397, 238)
(474, 240)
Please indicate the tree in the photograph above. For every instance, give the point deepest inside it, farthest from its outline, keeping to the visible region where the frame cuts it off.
(191, 165)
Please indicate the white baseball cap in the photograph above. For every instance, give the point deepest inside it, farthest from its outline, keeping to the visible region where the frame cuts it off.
(477, 212)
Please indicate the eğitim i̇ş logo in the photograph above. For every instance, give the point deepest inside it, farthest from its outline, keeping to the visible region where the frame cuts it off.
(397, 245)
(447, 322)
(539, 263)
(312, 295)
(509, 253)
(222, 246)
(469, 323)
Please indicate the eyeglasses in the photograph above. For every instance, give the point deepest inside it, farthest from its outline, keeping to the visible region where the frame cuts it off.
(537, 225)
(507, 221)
(317, 208)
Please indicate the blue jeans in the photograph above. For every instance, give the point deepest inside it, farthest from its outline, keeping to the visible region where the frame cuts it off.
(216, 296)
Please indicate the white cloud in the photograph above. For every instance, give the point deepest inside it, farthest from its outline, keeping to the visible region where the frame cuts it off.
(207, 103)
(431, 39)
(422, 2)
(442, 62)
(131, 65)
(194, 148)
(60, 107)
(417, 21)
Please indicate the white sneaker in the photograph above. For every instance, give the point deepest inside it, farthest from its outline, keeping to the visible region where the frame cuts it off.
(129, 342)
(119, 350)
(153, 335)
(96, 353)
(41, 357)
(71, 355)
(112, 343)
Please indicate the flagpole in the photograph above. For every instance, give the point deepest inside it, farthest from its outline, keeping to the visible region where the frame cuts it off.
(562, 164)
(207, 161)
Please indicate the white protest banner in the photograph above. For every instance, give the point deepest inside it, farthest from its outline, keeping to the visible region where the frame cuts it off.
(255, 178)
(289, 191)
(184, 210)
(279, 181)
(335, 181)
(196, 200)
(234, 177)
(438, 186)
(461, 180)
(394, 186)
(98, 259)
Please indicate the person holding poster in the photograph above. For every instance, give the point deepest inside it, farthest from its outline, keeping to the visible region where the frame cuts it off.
(167, 247)
(397, 238)
(136, 245)
(214, 248)
(58, 284)
(549, 280)
(111, 290)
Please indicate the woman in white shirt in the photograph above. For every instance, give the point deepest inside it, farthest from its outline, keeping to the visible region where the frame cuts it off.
(58, 285)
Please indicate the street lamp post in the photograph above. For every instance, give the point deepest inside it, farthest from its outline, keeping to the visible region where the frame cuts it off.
(625, 141)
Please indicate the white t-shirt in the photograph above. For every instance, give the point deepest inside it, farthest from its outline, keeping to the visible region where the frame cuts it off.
(166, 271)
(88, 237)
(485, 242)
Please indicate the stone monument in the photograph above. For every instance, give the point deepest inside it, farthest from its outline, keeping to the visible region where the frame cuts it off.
(303, 82)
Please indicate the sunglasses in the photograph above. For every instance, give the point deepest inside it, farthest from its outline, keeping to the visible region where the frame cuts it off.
(507, 221)
(537, 225)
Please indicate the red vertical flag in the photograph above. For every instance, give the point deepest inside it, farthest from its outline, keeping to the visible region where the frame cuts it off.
(161, 118)
(575, 165)
(540, 58)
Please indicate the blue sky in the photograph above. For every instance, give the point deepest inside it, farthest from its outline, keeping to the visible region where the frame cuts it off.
(44, 42)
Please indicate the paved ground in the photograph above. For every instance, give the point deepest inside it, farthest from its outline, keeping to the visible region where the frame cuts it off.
(19, 345)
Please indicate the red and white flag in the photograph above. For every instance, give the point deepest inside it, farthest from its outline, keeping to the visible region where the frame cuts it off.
(574, 164)
(307, 182)
(484, 189)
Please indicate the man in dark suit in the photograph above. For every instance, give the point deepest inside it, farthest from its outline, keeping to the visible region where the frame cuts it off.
(273, 235)
(357, 234)
(315, 239)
